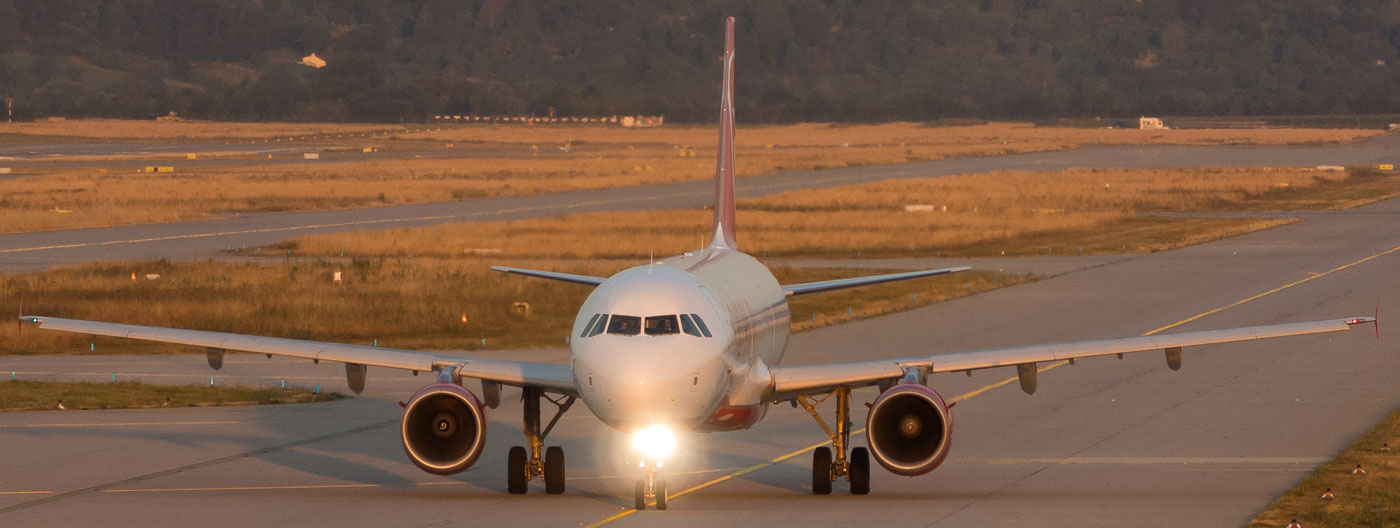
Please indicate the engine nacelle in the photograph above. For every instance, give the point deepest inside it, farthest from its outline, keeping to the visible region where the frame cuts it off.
(444, 429)
(909, 429)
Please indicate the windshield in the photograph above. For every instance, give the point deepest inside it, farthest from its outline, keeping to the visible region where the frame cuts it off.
(625, 325)
(662, 325)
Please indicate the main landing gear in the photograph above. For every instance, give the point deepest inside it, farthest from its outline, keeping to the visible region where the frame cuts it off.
(521, 465)
(651, 488)
(825, 470)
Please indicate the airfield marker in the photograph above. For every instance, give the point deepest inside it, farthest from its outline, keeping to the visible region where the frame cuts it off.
(1326, 495)
(1358, 470)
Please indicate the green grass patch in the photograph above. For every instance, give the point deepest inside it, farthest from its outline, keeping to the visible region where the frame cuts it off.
(47, 395)
(1370, 500)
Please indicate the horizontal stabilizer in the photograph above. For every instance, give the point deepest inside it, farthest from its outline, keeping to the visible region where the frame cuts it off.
(818, 287)
(552, 275)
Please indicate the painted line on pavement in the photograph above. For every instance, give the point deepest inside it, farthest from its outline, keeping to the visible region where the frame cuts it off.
(998, 384)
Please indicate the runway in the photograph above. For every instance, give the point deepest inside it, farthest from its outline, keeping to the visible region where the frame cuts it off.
(1105, 442)
(200, 240)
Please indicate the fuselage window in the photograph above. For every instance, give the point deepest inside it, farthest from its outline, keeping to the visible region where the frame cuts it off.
(589, 326)
(598, 328)
(700, 323)
(662, 325)
(689, 327)
(625, 325)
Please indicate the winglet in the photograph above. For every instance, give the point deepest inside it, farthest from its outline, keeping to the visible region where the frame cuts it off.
(724, 169)
(19, 321)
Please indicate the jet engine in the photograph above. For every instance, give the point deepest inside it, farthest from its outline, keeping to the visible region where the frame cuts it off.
(909, 429)
(444, 429)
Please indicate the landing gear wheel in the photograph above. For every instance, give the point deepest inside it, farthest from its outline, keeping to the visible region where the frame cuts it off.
(821, 471)
(660, 494)
(641, 494)
(516, 476)
(554, 470)
(860, 471)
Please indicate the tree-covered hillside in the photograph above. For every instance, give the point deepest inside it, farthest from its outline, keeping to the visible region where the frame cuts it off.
(859, 60)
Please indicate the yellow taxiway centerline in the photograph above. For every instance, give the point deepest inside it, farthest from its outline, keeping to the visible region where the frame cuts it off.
(1003, 383)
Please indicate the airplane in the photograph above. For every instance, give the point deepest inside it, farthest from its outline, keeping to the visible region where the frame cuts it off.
(687, 344)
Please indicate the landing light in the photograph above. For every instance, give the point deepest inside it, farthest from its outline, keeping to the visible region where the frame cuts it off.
(656, 442)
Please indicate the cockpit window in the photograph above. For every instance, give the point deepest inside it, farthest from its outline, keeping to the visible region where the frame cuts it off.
(688, 326)
(700, 323)
(662, 325)
(598, 327)
(625, 325)
(589, 326)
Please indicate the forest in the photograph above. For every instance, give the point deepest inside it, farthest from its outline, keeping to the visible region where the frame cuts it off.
(797, 60)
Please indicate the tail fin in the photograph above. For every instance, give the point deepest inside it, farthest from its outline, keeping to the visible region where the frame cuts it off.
(724, 170)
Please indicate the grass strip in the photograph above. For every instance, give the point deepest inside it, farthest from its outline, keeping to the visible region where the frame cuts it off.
(402, 303)
(1370, 500)
(48, 395)
(478, 161)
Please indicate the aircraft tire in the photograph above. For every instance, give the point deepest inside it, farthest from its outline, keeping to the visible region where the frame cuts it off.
(860, 471)
(516, 460)
(554, 470)
(821, 471)
(660, 494)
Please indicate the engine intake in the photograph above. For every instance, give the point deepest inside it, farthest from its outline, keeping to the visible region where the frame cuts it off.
(909, 429)
(444, 429)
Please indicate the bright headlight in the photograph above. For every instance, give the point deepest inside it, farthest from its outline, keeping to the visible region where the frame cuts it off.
(656, 442)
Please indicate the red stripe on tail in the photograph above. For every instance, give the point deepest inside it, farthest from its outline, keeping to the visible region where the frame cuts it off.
(724, 170)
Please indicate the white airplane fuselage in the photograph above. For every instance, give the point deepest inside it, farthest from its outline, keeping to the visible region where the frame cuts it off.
(689, 379)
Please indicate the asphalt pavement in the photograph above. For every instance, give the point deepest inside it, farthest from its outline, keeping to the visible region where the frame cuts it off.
(1105, 442)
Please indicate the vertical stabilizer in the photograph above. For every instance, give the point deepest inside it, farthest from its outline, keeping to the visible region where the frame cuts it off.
(724, 164)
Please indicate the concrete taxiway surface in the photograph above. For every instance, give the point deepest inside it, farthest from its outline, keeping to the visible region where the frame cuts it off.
(198, 240)
(1105, 442)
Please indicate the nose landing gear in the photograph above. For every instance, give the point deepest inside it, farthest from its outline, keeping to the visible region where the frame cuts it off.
(522, 466)
(825, 470)
(651, 488)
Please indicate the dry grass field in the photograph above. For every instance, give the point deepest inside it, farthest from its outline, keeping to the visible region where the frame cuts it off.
(408, 303)
(1005, 213)
(125, 129)
(924, 139)
(558, 158)
(45, 395)
(1372, 499)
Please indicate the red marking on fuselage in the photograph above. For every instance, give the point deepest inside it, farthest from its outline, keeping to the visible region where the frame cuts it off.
(728, 418)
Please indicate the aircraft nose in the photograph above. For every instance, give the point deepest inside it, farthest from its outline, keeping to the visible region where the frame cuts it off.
(656, 385)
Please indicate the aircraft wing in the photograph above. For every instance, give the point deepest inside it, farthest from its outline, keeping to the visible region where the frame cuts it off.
(818, 287)
(558, 378)
(804, 379)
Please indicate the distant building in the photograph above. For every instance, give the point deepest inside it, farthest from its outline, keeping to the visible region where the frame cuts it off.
(1151, 123)
(313, 61)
